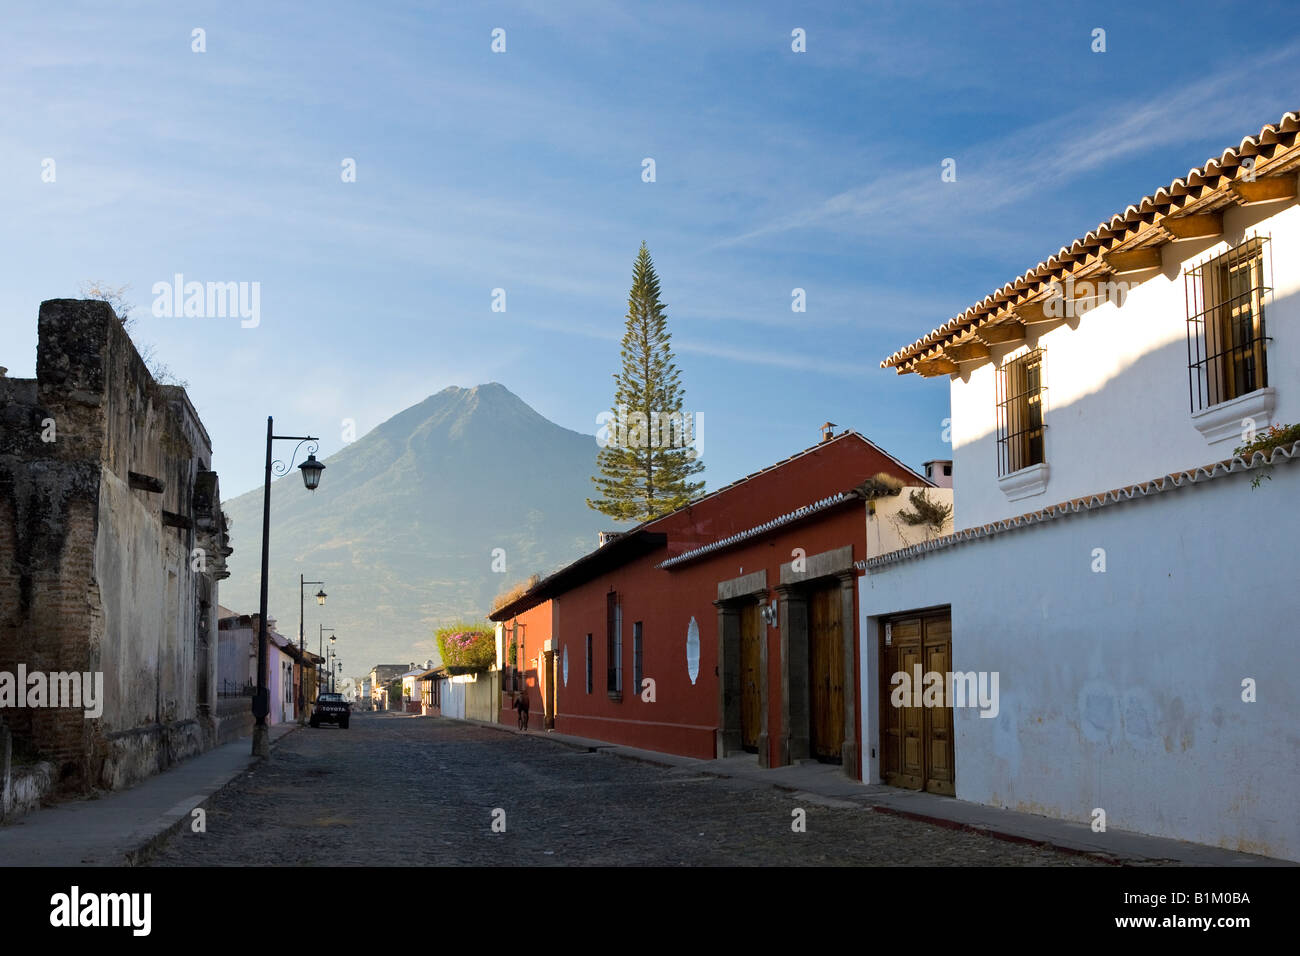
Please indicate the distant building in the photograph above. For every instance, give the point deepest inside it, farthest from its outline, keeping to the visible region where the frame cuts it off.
(430, 684)
(939, 471)
(411, 689)
(381, 675)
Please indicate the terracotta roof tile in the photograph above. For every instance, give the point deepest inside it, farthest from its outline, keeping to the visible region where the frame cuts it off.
(1163, 202)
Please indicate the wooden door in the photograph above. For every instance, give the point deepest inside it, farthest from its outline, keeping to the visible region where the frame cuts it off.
(916, 742)
(902, 745)
(937, 651)
(751, 709)
(826, 673)
(548, 689)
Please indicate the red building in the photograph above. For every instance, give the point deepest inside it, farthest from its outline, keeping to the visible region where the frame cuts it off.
(728, 625)
(528, 632)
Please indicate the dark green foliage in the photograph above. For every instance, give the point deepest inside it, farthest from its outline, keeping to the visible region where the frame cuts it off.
(647, 463)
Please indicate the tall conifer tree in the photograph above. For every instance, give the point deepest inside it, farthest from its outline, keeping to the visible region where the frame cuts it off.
(647, 462)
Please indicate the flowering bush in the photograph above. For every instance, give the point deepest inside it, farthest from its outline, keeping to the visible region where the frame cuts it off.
(466, 648)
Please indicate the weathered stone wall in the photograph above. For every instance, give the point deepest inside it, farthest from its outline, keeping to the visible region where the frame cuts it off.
(98, 563)
(22, 787)
(49, 502)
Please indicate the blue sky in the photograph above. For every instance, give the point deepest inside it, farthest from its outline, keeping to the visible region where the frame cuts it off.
(522, 170)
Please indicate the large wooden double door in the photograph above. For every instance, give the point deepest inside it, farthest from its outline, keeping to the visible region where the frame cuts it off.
(826, 673)
(916, 742)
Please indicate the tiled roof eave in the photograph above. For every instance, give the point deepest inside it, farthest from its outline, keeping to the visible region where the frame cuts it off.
(1105, 499)
(1194, 192)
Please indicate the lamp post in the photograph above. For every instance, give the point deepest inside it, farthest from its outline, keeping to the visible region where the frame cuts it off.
(333, 638)
(311, 470)
(320, 664)
(302, 657)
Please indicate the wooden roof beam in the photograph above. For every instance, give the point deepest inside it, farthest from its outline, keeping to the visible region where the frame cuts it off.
(1031, 313)
(1264, 190)
(1001, 334)
(1133, 260)
(1205, 225)
(968, 351)
(935, 366)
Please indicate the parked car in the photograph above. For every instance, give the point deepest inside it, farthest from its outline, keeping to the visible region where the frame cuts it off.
(333, 709)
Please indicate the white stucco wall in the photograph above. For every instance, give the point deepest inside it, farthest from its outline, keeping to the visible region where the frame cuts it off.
(279, 683)
(150, 615)
(1123, 689)
(1117, 409)
(453, 699)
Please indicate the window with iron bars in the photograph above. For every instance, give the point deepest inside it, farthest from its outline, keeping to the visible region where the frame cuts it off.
(636, 657)
(588, 663)
(613, 646)
(1226, 338)
(1020, 393)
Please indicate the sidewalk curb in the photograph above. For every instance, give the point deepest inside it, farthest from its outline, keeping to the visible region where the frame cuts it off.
(1008, 837)
(147, 841)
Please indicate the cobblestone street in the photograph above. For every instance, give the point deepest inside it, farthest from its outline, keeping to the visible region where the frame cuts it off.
(402, 791)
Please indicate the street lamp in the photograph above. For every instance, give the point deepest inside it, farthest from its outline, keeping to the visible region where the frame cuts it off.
(320, 599)
(311, 470)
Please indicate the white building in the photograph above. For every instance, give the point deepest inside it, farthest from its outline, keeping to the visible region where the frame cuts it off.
(411, 687)
(280, 666)
(1112, 568)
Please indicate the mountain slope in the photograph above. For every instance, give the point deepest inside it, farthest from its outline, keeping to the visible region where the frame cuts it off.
(403, 526)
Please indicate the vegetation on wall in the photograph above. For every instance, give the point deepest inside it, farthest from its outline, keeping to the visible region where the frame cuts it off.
(927, 513)
(466, 648)
(880, 485)
(116, 297)
(1276, 436)
(514, 592)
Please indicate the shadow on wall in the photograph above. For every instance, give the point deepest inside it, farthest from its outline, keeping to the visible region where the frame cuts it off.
(1132, 425)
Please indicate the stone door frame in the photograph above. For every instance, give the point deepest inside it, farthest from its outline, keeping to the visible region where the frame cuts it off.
(819, 570)
(733, 595)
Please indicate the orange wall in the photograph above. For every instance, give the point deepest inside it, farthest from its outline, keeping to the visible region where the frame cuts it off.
(536, 632)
